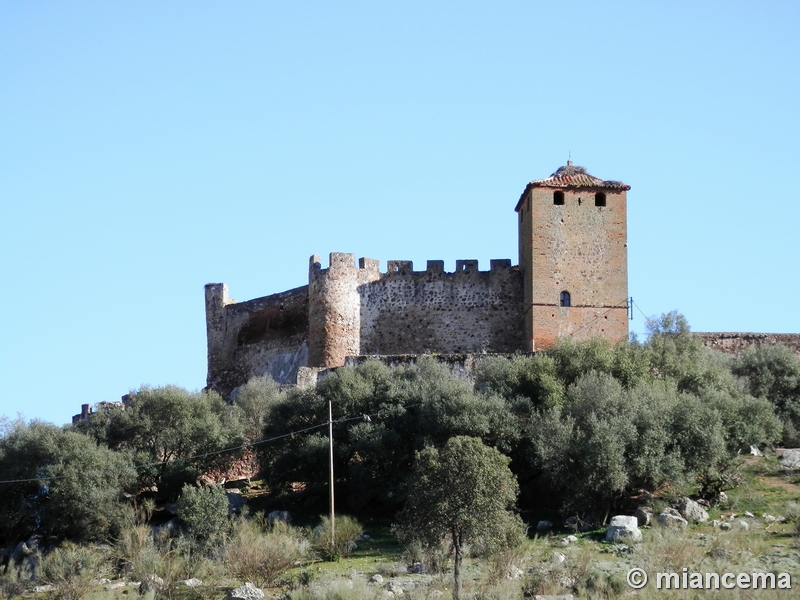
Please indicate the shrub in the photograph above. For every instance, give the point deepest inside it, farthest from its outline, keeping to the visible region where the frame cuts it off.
(346, 531)
(204, 512)
(263, 557)
(70, 569)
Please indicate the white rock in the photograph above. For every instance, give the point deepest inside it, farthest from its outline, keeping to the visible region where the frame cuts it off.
(623, 528)
(246, 592)
(377, 578)
(790, 459)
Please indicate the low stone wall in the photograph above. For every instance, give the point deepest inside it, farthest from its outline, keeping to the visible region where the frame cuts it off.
(736, 342)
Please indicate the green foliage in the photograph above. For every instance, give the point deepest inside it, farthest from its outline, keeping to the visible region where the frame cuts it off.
(75, 486)
(533, 377)
(204, 512)
(346, 532)
(464, 492)
(263, 556)
(773, 372)
(165, 428)
(407, 408)
(71, 569)
(253, 402)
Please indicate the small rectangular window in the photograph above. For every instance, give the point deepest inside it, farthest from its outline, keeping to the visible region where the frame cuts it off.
(599, 199)
(558, 198)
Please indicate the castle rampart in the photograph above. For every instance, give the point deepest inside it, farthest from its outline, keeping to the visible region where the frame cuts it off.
(572, 280)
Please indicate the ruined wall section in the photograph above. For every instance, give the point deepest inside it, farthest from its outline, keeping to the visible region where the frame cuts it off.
(469, 311)
(735, 343)
(266, 335)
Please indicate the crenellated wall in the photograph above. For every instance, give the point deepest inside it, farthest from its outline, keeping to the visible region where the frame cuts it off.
(468, 311)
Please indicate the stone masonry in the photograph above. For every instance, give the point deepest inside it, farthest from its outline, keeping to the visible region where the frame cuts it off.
(572, 245)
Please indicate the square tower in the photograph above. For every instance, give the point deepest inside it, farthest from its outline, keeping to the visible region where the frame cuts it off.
(574, 257)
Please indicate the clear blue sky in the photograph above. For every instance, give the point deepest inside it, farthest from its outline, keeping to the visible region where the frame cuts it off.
(148, 148)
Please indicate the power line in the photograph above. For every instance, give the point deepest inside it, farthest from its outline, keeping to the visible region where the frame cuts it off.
(207, 454)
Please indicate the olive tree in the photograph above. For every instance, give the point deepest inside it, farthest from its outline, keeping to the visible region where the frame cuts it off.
(463, 492)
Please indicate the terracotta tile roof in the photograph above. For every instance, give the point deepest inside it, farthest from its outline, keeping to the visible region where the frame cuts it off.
(572, 176)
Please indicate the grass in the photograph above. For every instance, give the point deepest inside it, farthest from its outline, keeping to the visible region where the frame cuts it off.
(592, 569)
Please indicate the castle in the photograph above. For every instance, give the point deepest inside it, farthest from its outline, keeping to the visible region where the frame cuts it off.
(571, 280)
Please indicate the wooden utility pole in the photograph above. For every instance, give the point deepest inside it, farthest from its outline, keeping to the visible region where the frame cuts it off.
(330, 438)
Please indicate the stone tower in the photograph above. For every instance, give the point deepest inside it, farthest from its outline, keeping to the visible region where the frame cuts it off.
(574, 257)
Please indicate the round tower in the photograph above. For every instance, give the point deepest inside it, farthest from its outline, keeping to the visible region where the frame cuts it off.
(334, 311)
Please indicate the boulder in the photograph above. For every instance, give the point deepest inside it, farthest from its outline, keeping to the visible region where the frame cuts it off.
(417, 569)
(246, 592)
(570, 539)
(672, 518)
(235, 500)
(623, 527)
(544, 525)
(644, 515)
(692, 511)
(393, 588)
(377, 578)
(790, 460)
(751, 450)
(741, 524)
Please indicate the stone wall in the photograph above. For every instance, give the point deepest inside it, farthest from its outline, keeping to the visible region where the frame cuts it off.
(416, 312)
(266, 335)
(734, 343)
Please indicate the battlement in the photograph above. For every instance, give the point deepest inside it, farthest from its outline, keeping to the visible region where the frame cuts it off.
(346, 261)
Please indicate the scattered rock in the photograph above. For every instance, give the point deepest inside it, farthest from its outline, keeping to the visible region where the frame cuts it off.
(720, 499)
(44, 589)
(725, 526)
(561, 597)
(246, 592)
(644, 515)
(151, 583)
(513, 572)
(544, 525)
(558, 558)
(742, 524)
(570, 539)
(115, 585)
(623, 527)
(751, 450)
(393, 588)
(417, 569)
(749, 515)
(672, 518)
(790, 459)
(377, 578)
(692, 511)
(191, 583)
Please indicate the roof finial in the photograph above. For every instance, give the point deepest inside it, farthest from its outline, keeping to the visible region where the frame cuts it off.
(569, 159)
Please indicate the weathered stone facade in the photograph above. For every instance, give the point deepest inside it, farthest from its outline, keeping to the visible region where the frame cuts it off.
(572, 280)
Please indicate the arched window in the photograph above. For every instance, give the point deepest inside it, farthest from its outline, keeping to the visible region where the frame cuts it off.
(599, 199)
(558, 198)
(565, 299)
